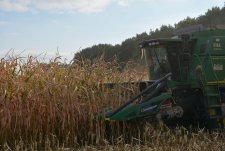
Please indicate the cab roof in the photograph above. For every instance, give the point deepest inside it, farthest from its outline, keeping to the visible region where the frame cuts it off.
(179, 32)
(155, 42)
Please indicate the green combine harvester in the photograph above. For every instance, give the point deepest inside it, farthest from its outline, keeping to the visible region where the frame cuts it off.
(186, 80)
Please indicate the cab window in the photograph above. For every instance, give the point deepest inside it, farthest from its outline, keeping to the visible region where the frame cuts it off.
(157, 61)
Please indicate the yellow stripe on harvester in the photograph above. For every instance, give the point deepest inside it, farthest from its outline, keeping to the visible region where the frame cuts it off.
(216, 82)
(212, 112)
(107, 119)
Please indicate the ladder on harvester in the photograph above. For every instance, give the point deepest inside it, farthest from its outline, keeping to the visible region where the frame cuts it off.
(212, 96)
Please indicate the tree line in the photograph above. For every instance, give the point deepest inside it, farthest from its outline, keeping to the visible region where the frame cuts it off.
(128, 49)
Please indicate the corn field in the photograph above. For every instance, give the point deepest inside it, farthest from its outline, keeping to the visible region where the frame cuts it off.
(54, 107)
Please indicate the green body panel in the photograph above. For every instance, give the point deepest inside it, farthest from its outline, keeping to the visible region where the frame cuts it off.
(209, 56)
(141, 110)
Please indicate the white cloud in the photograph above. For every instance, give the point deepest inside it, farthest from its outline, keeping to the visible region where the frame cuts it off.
(123, 2)
(72, 5)
(15, 5)
(59, 5)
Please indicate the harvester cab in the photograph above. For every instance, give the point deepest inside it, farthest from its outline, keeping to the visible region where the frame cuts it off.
(188, 80)
(162, 56)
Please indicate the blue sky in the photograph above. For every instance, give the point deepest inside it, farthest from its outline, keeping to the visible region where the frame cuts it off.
(45, 26)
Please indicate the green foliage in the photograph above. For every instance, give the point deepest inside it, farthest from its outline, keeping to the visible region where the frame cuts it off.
(109, 52)
(164, 32)
(186, 22)
(212, 16)
(95, 51)
(128, 49)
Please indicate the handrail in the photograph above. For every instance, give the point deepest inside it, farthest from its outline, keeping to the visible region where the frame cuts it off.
(212, 68)
(201, 65)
